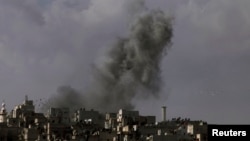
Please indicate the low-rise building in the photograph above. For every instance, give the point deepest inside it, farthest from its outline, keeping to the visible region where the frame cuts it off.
(24, 123)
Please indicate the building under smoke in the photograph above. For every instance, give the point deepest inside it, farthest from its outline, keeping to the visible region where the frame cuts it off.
(25, 124)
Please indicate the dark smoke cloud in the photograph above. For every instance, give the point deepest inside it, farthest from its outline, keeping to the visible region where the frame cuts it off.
(66, 96)
(132, 64)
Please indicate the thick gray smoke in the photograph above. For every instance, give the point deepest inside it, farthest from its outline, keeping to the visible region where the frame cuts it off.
(131, 66)
(133, 63)
(66, 96)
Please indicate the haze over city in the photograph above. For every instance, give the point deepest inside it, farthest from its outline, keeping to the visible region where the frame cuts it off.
(205, 72)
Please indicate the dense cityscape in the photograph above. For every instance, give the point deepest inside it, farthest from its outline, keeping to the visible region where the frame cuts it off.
(61, 124)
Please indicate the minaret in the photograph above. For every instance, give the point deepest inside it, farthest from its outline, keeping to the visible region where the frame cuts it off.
(3, 114)
(26, 98)
(164, 113)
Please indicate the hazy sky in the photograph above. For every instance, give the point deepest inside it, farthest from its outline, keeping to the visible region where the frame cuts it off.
(206, 73)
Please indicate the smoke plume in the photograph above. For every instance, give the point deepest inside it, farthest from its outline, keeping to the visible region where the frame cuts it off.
(131, 65)
(66, 96)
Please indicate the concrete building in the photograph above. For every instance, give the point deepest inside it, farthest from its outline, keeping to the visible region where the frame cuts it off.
(89, 116)
(110, 121)
(24, 123)
(3, 114)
